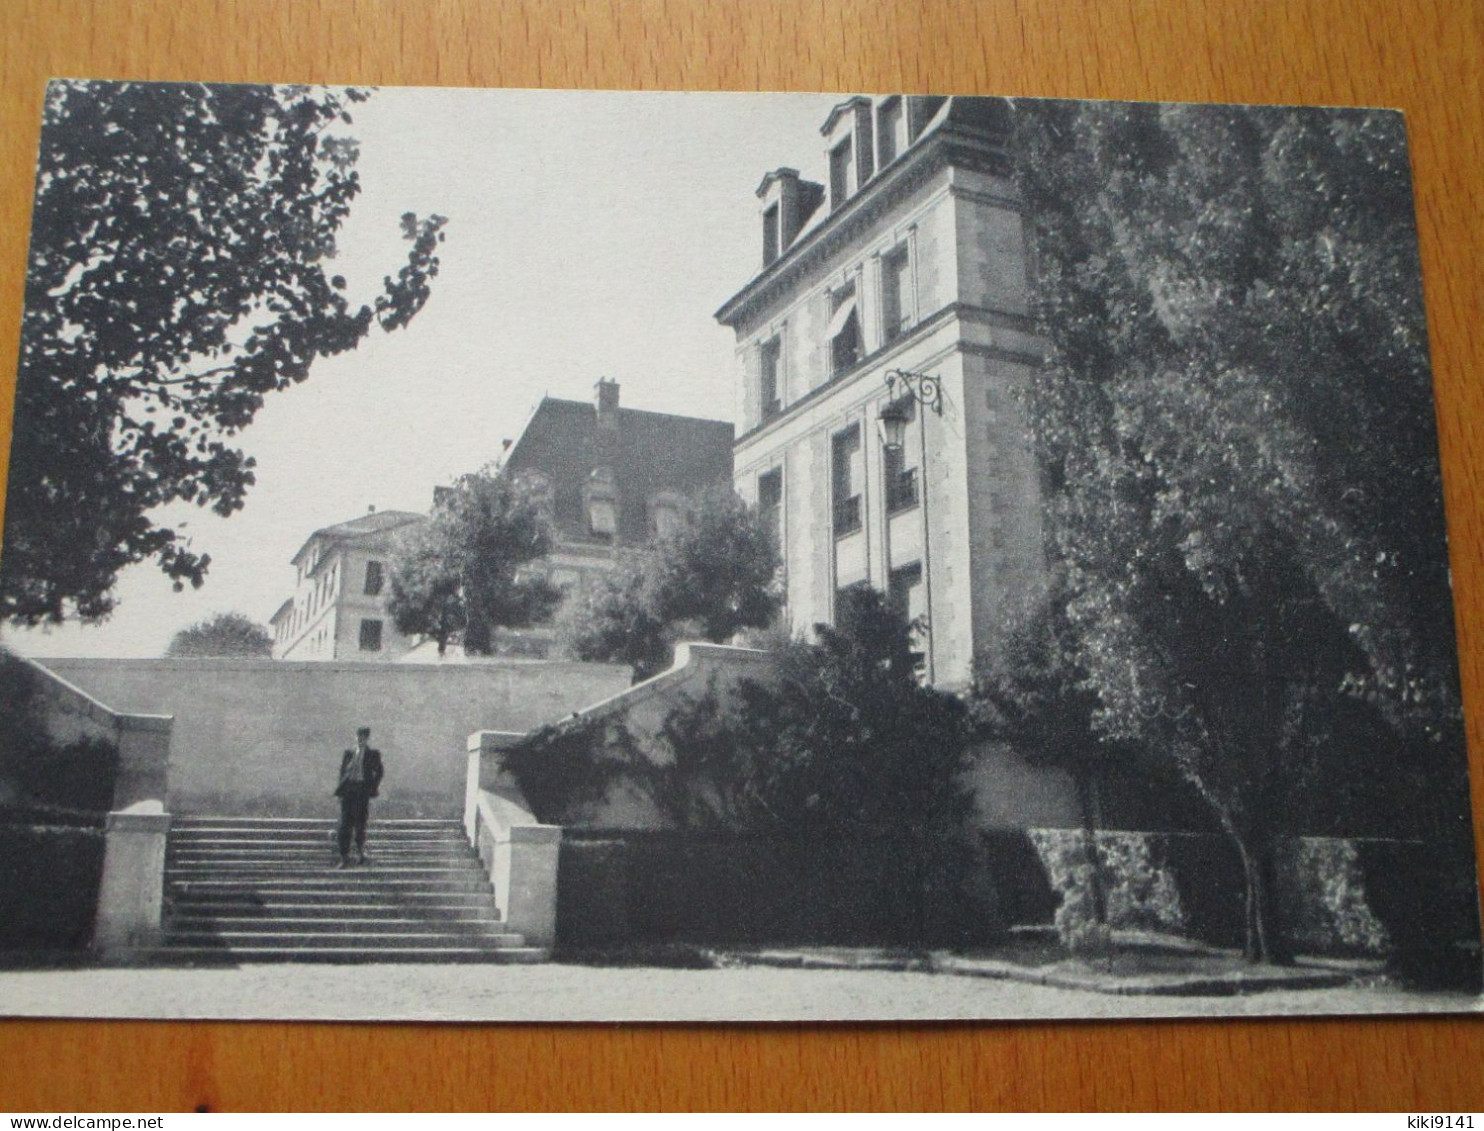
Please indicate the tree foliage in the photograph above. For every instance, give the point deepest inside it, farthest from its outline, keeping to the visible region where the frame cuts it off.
(710, 578)
(178, 274)
(1235, 429)
(224, 634)
(837, 741)
(461, 573)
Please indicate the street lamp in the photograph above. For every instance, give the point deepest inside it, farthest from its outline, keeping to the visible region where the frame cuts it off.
(926, 390)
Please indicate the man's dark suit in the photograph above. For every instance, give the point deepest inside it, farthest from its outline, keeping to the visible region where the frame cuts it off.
(355, 800)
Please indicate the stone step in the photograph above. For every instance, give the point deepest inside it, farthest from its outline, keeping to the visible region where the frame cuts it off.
(431, 871)
(368, 940)
(256, 889)
(327, 889)
(253, 901)
(224, 925)
(299, 826)
(309, 840)
(316, 856)
(438, 955)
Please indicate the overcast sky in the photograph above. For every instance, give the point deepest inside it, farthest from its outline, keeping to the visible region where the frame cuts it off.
(589, 235)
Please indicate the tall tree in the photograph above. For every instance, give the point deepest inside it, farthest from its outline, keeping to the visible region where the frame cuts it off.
(180, 238)
(461, 573)
(1235, 428)
(1036, 699)
(225, 634)
(710, 578)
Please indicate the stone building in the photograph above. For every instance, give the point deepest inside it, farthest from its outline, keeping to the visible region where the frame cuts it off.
(912, 256)
(338, 610)
(615, 478)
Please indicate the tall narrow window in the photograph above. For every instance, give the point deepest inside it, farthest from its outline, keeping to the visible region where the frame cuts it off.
(900, 467)
(846, 478)
(770, 388)
(896, 294)
(891, 132)
(601, 500)
(374, 579)
(904, 595)
(771, 243)
(846, 348)
(770, 504)
(370, 636)
(841, 161)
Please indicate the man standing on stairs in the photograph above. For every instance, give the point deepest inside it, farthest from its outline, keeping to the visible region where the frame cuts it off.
(360, 775)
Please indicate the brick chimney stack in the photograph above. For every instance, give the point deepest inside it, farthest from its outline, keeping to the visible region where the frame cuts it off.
(605, 397)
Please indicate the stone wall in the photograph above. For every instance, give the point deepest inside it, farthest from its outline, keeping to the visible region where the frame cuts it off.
(264, 736)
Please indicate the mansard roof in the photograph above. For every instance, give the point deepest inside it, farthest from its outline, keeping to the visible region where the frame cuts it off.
(649, 454)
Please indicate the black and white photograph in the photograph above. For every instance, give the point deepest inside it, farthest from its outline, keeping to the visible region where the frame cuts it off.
(516, 555)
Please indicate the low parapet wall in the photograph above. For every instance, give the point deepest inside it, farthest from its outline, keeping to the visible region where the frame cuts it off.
(265, 736)
(127, 917)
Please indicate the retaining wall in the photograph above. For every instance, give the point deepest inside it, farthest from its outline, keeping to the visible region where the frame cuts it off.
(265, 736)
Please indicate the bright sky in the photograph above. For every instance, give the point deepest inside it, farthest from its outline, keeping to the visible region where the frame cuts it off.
(589, 235)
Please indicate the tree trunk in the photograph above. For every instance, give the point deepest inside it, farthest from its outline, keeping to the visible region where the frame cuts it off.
(1264, 940)
(1089, 808)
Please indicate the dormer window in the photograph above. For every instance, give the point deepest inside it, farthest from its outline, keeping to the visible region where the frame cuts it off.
(847, 132)
(841, 164)
(771, 232)
(665, 514)
(891, 131)
(844, 334)
(600, 498)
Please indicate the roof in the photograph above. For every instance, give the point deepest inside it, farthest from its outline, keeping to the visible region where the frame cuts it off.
(376, 522)
(648, 452)
(986, 119)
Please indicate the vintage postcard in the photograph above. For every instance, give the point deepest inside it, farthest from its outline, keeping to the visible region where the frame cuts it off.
(541, 555)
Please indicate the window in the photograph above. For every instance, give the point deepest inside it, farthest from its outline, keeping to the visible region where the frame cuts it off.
(768, 365)
(891, 133)
(844, 331)
(904, 592)
(370, 636)
(770, 235)
(770, 503)
(601, 498)
(901, 477)
(665, 514)
(904, 595)
(897, 306)
(374, 579)
(841, 160)
(846, 477)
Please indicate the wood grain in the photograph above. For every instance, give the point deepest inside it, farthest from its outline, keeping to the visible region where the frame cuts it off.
(1425, 58)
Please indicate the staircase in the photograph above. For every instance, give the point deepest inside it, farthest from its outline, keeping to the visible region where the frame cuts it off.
(258, 889)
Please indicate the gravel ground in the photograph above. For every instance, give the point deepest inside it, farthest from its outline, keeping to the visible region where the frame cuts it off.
(556, 992)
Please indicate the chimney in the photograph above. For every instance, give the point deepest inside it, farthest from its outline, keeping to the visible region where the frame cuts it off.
(605, 397)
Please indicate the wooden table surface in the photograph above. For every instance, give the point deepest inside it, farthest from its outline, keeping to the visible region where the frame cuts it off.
(1425, 58)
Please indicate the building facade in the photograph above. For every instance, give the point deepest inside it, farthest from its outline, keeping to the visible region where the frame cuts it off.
(338, 610)
(912, 256)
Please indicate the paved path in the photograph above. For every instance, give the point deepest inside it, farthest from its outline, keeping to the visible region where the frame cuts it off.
(570, 993)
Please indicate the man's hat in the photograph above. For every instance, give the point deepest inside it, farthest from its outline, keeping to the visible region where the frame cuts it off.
(363, 732)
